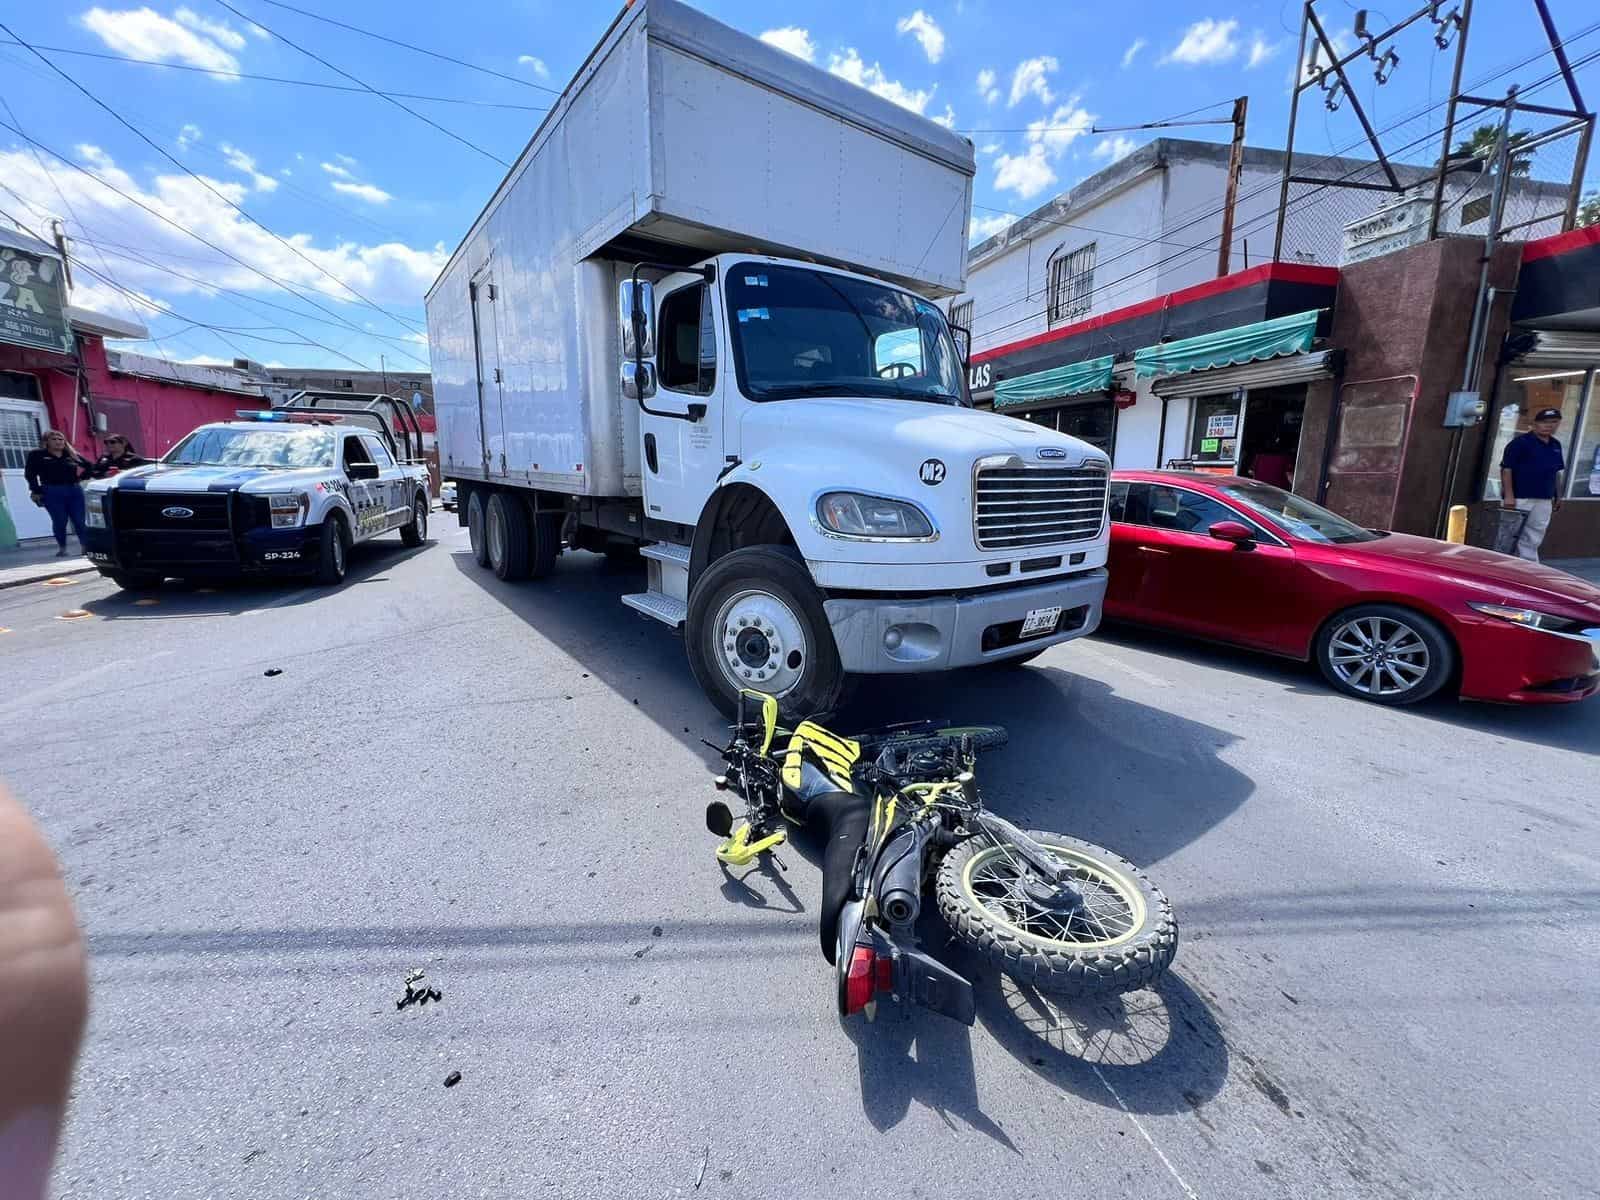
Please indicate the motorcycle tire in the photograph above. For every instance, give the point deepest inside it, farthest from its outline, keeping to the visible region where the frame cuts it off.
(1125, 943)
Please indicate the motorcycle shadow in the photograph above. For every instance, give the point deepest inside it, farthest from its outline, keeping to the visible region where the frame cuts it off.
(737, 887)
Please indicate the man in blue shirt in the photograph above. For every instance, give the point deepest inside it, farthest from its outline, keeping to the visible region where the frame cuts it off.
(1531, 475)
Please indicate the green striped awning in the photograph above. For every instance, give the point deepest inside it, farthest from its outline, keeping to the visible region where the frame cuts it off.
(1229, 347)
(1091, 375)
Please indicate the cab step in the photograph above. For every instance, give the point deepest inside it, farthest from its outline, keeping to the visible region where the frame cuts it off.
(667, 599)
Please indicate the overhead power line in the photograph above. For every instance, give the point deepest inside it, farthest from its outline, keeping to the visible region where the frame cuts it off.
(166, 220)
(407, 46)
(449, 133)
(161, 150)
(310, 83)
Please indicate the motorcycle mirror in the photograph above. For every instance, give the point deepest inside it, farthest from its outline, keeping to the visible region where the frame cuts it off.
(719, 819)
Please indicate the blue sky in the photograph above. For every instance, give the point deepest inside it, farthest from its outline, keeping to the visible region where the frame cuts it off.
(364, 201)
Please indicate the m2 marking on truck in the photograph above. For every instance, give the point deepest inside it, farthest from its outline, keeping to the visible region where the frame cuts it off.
(932, 472)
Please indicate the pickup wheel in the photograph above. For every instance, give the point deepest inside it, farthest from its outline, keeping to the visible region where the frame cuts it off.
(505, 528)
(415, 532)
(756, 622)
(333, 550)
(476, 534)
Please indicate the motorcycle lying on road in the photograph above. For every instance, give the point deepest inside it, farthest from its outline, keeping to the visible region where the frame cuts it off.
(899, 809)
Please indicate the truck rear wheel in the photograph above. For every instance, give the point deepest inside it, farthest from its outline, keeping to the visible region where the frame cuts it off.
(506, 536)
(756, 622)
(475, 530)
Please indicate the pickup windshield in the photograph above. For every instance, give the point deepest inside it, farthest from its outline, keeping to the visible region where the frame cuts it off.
(800, 332)
(1305, 520)
(226, 446)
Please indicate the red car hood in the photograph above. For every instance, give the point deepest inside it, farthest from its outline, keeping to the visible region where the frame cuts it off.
(1508, 577)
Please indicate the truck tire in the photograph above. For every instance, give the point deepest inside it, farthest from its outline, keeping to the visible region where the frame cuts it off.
(544, 548)
(333, 550)
(506, 536)
(415, 531)
(756, 621)
(475, 530)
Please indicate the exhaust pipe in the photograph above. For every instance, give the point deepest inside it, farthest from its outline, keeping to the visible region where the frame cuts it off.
(899, 883)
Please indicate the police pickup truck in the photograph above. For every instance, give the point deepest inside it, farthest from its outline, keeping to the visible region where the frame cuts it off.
(284, 492)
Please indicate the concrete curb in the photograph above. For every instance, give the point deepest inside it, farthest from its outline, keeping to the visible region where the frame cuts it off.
(20, 576)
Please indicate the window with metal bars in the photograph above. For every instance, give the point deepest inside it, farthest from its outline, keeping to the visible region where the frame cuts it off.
(1071, 283)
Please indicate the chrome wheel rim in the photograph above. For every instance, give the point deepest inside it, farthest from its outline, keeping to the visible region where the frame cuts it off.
(338, 551)
(422, 519)
(1103, 909)
(497, 539)
(759, 643)
(1378, 656)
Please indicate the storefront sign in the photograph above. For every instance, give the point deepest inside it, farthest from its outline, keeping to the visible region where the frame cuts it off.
(1208, 445)
(33, 301)
(1221, 425)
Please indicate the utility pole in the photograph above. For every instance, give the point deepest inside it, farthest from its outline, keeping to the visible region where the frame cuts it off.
(60, 233)
(1235, 168)
(384, 367)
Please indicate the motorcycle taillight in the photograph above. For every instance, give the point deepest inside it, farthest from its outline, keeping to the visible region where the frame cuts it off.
(861, 979)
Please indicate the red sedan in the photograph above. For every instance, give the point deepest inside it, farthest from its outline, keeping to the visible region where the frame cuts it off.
(1386, 616)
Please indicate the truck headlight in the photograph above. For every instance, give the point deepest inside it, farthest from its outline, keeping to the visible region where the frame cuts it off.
(1530, 618)
(94, 510)
(852, 514)
(288, 510)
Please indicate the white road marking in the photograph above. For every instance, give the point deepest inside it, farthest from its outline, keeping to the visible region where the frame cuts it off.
(289, 599)
(72, 681)
(1099, 656)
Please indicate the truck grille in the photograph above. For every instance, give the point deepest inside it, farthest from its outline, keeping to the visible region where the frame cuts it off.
(1017, 507)
(148, 510)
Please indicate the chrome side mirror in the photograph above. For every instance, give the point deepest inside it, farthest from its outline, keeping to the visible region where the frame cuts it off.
(638, 379)
(636, 311)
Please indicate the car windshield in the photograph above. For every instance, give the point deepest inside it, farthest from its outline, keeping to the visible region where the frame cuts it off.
(1305, 520)
(226, 446)
(799, 332)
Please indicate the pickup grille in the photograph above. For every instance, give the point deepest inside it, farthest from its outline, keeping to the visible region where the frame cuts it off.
(1017, 507)
(144, 510)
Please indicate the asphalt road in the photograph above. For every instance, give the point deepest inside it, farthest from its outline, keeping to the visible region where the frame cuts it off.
(1386, 984)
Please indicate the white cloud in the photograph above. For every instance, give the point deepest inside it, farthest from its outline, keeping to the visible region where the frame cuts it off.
(362, 191)
(98, 296)
(188, 135)
(1260, 51)
(987, 86)
(849, 66)
(989, 148)
(793, 39)
(1061, 128)
(1030, 78)
(336, 170)
(217, 31)
(145, 33)
(984, 228)
(539, 69)
(1113, 148)
(346, 159)
(392, 273)
(1025, 174)
(926, 31)
(242, 162)
(1132, 51)
(1207, 41)
(949, 118)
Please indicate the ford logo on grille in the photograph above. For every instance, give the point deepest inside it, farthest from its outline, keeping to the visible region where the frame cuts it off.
(1052, 452)
(178, 513)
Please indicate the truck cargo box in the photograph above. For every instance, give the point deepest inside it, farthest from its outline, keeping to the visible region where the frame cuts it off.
(678, 138)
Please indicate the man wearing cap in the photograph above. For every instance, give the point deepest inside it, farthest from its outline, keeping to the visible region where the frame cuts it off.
(1531, 474)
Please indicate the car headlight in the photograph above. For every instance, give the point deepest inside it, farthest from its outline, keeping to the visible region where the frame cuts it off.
(288, 509)
(852, 514)
(1530, 618)
(94, 510)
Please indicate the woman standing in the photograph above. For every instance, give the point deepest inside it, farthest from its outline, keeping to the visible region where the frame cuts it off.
(53, 472)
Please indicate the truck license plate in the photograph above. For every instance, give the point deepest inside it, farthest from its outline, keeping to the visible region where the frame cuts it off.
(1040, 620)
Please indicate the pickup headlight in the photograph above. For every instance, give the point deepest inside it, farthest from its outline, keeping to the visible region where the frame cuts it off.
(94, 510)
(852, 514)
(288, 510)
(1530, 618)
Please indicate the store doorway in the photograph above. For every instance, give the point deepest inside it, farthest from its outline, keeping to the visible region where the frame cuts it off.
(1269, 445)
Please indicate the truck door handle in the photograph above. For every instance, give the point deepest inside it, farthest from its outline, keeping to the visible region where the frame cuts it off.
(650, 453)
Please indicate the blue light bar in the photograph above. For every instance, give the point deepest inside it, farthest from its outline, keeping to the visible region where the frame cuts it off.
(299, 417)
(255, 414)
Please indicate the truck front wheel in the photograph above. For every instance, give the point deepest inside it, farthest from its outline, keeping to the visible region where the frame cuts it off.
(756, 623)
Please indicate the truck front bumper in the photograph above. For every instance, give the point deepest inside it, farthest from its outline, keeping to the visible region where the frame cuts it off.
(879, 635)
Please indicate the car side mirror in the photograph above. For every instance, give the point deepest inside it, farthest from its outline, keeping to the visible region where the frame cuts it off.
(362, 470)
(636, 315)
(1236, 532)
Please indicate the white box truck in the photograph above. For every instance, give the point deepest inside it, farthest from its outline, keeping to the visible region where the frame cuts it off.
(696, 321)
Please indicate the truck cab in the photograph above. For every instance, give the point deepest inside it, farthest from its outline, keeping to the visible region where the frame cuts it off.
(808, 442)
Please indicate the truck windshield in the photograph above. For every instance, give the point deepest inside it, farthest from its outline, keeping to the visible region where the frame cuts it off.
(798, 332)
(1305, 520)
(226, 446)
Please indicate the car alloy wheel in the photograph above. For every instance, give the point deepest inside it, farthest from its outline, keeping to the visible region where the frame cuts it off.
(1378, 656)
